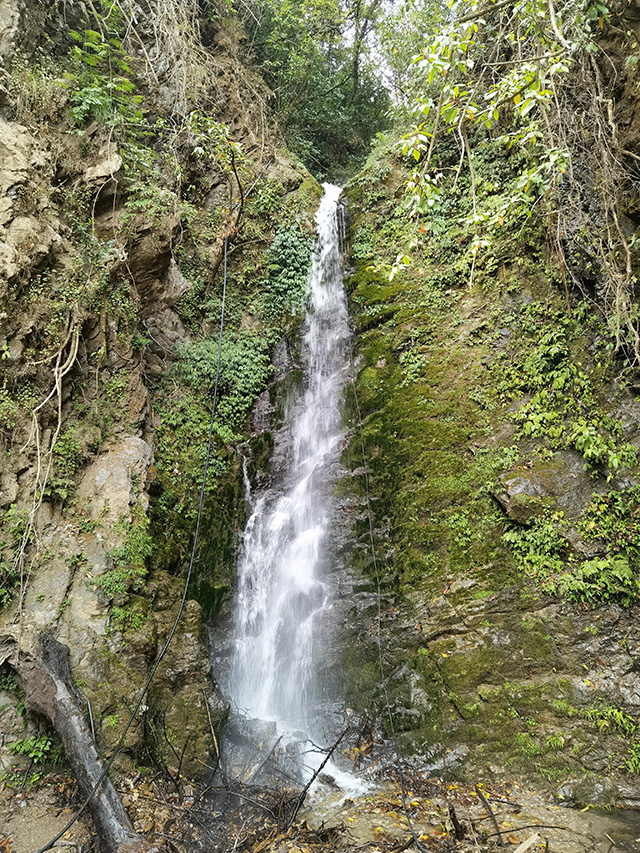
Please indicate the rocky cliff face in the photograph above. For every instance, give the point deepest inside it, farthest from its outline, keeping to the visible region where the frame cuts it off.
(501, 440)
(499, 420)
(115, 200)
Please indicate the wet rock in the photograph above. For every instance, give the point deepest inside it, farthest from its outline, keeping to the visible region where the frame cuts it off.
(23, 234)
(12, 727)
(9, 17)
(588, 790)
(166, 330)
(8, 488)
(158, 280)
(104, 169)
(559, 484)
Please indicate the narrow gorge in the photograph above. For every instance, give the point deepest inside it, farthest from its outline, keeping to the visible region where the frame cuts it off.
(400, 610)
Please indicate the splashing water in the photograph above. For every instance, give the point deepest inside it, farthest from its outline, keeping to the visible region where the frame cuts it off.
(281, 592)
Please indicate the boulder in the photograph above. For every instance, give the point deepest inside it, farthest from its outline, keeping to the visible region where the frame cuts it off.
(560, 483)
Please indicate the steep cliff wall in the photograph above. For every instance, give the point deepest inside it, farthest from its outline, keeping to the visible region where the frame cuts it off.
(129, 148)
(500, 423)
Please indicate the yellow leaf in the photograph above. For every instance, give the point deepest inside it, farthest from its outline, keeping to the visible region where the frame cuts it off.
(517, 99)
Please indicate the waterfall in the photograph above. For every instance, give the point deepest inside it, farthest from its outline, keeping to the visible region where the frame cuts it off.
(281, 592)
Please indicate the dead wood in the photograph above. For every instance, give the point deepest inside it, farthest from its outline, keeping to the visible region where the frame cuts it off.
(489, 811)
(46, 681)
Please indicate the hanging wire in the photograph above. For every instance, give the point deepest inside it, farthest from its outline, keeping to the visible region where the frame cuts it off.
(383, 675)
(183, 600)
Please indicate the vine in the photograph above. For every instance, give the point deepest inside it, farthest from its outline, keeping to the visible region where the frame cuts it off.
(526, 75)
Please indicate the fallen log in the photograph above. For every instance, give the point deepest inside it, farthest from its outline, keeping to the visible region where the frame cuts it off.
(46, 682)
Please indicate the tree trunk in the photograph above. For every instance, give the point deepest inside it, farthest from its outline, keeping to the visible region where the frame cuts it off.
(46, 682)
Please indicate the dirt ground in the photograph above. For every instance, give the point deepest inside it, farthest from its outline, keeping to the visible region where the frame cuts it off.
(178, 817)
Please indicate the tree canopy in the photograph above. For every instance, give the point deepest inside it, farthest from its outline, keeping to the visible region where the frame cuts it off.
(316, 57)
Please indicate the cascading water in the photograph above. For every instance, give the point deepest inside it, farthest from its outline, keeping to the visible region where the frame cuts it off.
(281, 592)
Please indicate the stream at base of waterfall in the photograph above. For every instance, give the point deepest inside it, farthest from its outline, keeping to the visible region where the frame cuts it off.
(283, 595)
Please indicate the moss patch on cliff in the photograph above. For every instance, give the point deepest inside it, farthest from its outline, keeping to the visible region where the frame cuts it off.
(476, 368)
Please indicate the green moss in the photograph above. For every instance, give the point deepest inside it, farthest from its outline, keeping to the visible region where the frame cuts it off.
(131, 558)
(451, 386)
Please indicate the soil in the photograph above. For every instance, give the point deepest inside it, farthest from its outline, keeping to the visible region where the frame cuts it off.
(177, 816)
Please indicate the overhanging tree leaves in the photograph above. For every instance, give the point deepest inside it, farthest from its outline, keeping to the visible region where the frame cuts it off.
(527, 75)
(314, 54)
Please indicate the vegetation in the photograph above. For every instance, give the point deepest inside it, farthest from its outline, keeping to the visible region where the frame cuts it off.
(493, 300)
(525, 77)
(41, 750)
(316, 58)
(130, 559)
(481, 364)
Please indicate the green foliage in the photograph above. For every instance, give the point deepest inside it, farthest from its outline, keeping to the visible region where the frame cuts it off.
(102, 75)
(41, 750)
(244, 370)
(130, 559)
(543, 554)
(267, 198)
(288, 259)
(614, 518)
(316, 57)
(561, 408)
(632, 760)
(561, 706)
(16, 522)
(449, 96)
(600, 579)
(148, 192)
(129, 617)
(495, 74)
(266, 286)
(66, 456)
(111, 721)
(527, 746)
(539, 547)
(37, 749)
(7, 679)
(610, 719)
(532, 354)
(245, 367)
(8, 410)
(38, 93)
(361, 242)
(211, 140)
(182, 443)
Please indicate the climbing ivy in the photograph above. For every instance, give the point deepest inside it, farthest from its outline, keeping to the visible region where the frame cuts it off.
(288, 266)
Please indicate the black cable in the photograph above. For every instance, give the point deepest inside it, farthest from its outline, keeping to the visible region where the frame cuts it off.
(383, 676)
(155, 666)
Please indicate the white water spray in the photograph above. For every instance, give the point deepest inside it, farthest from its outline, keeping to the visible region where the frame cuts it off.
(281, 593)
